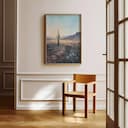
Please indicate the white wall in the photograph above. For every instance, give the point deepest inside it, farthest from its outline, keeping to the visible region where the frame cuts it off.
(30, 47)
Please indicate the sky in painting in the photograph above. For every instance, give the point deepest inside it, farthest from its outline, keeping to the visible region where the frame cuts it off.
(65, 24)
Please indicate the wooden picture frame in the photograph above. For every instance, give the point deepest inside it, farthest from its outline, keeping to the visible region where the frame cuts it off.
(62, 38)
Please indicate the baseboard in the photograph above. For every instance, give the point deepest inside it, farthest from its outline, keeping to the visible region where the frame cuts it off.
(100, 105)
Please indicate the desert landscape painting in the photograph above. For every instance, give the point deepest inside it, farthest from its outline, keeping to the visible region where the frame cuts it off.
(62, 38)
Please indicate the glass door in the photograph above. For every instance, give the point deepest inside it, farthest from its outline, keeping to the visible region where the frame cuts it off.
(123, 63)
(111, 64)
(117, 63)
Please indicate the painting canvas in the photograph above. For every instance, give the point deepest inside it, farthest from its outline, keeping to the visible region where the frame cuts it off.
(62, 38)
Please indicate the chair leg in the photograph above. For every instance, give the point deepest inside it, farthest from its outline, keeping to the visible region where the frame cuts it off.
(94, 98)
(63, 100)
(94, 104)
(74, 104)
(63, 105)
(86, 102)
(74, 99)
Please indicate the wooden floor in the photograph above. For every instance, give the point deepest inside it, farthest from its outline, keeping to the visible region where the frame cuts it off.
(50, 119)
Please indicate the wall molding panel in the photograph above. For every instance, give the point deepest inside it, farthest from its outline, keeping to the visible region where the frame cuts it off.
(6, 34)
(37, 85)
(44, 92)
(3, 31)
(5, 73)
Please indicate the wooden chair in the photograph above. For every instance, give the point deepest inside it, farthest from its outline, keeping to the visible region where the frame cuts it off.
(87, 80)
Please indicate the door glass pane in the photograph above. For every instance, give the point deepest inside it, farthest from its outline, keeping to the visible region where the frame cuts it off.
(126, 38)
(126, 81)
(126, 114)
(111, 76)
(108, 76)
(108, 51)
(121, 78)
(121, 41)
(121, 9)
(108, 103)
(111, 47)
(126, 8)
(108, 18)
(121, 113)
(111, 14)
(111, 97)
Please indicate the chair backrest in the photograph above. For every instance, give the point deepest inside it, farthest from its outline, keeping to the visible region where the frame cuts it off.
(84, 78)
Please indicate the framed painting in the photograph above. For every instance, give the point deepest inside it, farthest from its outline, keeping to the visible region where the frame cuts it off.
(62, 38)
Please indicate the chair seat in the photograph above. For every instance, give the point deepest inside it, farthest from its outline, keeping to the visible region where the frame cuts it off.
(78, 94)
